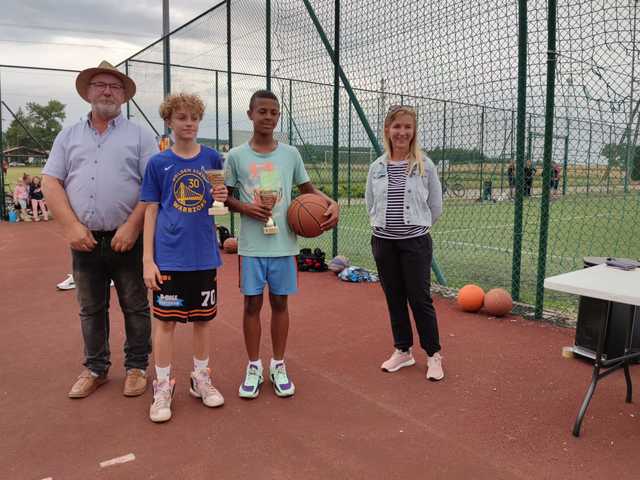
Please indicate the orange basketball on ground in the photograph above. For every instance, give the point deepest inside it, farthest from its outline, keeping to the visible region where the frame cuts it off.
(498, 302)
(230, 245)
(470, 298)
(306, 213)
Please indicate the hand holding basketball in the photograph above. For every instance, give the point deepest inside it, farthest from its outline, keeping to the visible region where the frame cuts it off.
(333, 214)
(307, 215)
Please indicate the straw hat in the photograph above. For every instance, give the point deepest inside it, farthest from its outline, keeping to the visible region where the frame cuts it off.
(85, 76)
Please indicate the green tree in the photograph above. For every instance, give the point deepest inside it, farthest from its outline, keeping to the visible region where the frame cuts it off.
(613, 152)
(635, 165)
(458, 155)
(44, 122)
(617, 156)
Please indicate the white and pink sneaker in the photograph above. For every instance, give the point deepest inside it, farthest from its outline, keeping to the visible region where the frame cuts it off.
(434, 367)
(201, 387)
(398, 360)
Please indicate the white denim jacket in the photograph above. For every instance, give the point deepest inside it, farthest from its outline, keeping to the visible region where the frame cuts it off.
(422, 194)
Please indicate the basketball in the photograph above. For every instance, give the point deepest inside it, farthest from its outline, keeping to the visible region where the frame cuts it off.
(306, 213)
(498, 302)
(230, 245)
(470, 298)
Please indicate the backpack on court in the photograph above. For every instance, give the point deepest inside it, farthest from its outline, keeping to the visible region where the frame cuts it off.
(312, 261)
(223, 234)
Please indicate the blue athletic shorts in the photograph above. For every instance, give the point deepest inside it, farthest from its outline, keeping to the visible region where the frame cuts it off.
(280, 273)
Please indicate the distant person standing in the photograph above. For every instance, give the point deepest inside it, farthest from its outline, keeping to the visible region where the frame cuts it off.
(511, 176)
(37, 200)
(529, 174)
(20, 199)
(92, 185)
(555, 178)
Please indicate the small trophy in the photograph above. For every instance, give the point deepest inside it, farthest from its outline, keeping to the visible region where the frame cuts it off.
(216, 177)
(268, 198)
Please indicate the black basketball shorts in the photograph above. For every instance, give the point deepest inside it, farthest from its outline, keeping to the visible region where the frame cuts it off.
(186, 297)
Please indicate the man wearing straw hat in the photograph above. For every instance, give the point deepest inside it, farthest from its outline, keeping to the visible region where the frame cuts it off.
(92, 183)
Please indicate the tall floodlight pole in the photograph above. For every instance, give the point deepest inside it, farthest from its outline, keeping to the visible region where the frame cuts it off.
(166, 54)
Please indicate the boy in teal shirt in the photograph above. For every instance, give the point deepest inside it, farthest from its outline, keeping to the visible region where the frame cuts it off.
(264, 164)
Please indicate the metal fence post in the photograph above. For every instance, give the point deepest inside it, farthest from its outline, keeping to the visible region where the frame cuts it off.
(290, 112)
(126, 72)
(444, 140)
(520, 133)
(336, 116)
(609, 164)
(631, 110)
(3, 213)
(217, 114)
(481, 153)
(548, 151)
(166, 54)
(589, 159)
(229, 97)
(268, 42)
(349, 157)
(565, 161)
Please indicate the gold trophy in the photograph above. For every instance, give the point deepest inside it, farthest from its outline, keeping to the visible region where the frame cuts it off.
(268, 198)
(216, 178)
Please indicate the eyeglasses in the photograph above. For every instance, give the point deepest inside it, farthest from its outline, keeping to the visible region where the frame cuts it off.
(115, 87)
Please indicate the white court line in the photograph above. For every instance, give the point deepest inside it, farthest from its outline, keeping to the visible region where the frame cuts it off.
(478, 246)
(500, 249)
(130, 457)
(437, 231)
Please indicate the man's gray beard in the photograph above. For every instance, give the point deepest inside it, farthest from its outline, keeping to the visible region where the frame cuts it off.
(107, 112)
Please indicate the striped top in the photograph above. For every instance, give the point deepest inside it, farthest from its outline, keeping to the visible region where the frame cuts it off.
(395, 228)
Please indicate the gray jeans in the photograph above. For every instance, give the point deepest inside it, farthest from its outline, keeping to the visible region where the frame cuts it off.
(93, 272)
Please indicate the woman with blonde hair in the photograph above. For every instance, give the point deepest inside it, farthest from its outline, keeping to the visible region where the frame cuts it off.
(404, 199)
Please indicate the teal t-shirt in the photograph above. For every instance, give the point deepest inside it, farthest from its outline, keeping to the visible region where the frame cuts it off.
(248, 172)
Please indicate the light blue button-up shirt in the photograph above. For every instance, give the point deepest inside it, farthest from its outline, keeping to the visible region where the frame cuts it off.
(102, 173)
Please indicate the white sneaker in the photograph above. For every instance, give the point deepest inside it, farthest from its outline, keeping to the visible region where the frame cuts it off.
(434, 367)
(201, 387)
(398, 360)
(160, 410)
(67, 284)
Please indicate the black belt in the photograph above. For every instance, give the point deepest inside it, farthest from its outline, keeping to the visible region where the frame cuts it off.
(98, 234)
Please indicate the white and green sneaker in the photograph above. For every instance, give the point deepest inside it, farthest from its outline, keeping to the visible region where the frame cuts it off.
(282, 385)
(250, 388)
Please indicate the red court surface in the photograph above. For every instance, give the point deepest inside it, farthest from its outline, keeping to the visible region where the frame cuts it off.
(504, 411)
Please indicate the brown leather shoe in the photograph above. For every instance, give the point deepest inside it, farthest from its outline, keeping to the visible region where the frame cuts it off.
(86, 384)
(135, 383)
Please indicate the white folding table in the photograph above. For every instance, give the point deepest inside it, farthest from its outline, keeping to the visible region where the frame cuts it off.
(612, 285)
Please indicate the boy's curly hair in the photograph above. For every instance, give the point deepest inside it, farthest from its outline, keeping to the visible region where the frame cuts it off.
(187, 101)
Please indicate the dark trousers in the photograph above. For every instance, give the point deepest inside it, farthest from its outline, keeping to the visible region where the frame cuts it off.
(93, 272)
(404, 267)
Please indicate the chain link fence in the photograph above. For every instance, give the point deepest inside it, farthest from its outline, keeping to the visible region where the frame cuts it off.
(456, 63)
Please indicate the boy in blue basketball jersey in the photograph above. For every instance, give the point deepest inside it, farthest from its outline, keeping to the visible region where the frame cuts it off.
(180, 250)
(264, 164)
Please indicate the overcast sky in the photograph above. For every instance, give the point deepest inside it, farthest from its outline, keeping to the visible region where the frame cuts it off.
(75, 34)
